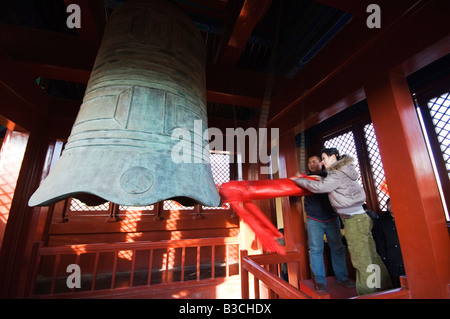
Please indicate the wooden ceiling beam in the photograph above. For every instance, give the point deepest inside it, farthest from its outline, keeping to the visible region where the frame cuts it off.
(251, 13)
(49, 54)
(16, 112)
(24, 92)
(241, 100)
(234, 8)
(64, 57)
(327, 85)
(55, 72)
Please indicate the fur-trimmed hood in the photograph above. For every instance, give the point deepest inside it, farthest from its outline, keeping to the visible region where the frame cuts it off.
(346, 166)
(344, 191)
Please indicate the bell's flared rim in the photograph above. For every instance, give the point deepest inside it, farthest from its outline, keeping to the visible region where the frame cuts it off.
(127, 179)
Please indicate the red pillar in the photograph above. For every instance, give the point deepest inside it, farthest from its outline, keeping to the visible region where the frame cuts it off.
(417, 206)
(249, 241)
(11, 156)
(294, 226)
(22, 227)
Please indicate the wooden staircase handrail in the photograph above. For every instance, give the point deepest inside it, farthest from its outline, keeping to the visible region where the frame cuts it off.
(253, 264)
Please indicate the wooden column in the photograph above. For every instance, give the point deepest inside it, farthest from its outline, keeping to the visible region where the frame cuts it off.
(23, 221)
(11, 156)
(248, 238)
(294, 226)
(416, 203)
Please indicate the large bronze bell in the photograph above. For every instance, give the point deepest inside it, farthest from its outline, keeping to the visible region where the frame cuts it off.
(148, 80)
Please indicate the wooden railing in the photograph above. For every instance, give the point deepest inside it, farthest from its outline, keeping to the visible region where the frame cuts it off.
(266, 269)
(124, 264)
(278, 288)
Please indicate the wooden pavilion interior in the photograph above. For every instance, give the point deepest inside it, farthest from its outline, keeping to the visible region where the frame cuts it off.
(374, 83)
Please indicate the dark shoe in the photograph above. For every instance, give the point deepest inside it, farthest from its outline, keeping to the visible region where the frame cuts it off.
(346, 283)
(320, 287)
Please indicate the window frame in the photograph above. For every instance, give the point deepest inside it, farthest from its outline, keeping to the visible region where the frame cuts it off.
(356, 126)
(421, 99)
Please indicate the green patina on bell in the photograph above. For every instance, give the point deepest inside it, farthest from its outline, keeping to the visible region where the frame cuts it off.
(148, 80)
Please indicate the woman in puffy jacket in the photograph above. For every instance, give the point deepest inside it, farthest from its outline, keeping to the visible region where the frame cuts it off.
(347, 197)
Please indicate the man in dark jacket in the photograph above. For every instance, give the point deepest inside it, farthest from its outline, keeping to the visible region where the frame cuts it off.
(322, 219)
(347, 197)
(388, 245)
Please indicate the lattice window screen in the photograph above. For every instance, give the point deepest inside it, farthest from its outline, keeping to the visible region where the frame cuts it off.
(439, 108)
(134, 208)
(220, 167)
(78, 206)
(376, 165)
(345, 143)
(173, 205)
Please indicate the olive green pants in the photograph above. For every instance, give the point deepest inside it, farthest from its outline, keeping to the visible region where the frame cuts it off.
(371, 273)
